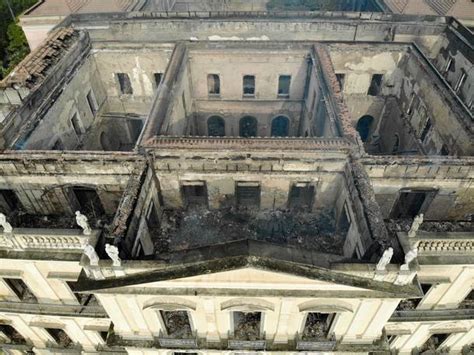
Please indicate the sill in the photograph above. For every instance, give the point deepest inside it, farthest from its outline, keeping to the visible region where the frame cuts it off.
(283, 96)
(248, 96)
(214, 96)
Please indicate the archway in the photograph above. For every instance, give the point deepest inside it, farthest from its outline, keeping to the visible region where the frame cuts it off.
(248, 126)
(280, 126)
(215, 126)
(363, 127)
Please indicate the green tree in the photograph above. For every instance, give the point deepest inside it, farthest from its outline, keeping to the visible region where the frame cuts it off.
(13, 44)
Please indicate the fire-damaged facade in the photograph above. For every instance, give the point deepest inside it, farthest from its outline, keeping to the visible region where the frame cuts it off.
(239, 183)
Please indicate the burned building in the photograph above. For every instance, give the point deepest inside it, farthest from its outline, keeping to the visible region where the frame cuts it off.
(239, 183)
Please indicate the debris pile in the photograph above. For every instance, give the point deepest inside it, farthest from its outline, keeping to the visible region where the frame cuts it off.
(177, 324)
(247, 325)
(181, 230)
(315, 327)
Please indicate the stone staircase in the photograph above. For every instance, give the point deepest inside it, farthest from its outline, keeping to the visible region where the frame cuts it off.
(441, 7)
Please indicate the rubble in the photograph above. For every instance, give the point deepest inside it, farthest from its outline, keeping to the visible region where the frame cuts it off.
(182, 230)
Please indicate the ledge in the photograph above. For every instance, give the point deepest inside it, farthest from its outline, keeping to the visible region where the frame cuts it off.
(53, 309)
(432, 315)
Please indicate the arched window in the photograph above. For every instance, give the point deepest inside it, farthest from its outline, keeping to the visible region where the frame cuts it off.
(280, 126)
(363, 127)
(216, 126)
(248, 126)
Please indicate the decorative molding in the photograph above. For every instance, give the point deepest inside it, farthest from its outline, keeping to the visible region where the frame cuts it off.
(325, 306)
(170, 304)
(247, 305)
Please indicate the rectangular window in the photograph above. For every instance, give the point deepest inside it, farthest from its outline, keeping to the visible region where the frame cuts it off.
(426, 130)
(8, 201)
(434, 342)
(341, 77)
(77, 125)
(247, 325)
(447, 67)
(375, 85)
(213, 84)
(317, 326)
(249, 85)
(460, 82)
(92, 102)
(284, 82)
(410, 203)
(11, 334)
(301, 196)
(177, 324)
(84, 299)
(248, 194)
(21, 290)
(194, 193)
(158, 77)
(125, 84)
(88, 201)
(344, 220)
(60, 337)
(411, 105)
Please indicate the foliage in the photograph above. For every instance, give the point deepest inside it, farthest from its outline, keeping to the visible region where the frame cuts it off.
(13, 44)
(306, 5)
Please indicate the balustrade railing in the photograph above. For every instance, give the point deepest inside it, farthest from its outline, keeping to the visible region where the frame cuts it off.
(40, 239)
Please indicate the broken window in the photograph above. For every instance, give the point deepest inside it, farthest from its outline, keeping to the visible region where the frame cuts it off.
(280, 126)
(77, 125)
(92, 102)
(248, 194)
(363, 127)
(249, 85)
(21, 290)
(158, 77)
(444, 150)
(8, 201)
(177, 324)
(194, 193)
(136, 126)
(317, 326)
(213, 84)
(341, 78)
(301, 196)
(248, 126)
(60, 337)
(215, 126)
(426, 129)
(375, 85)
(284, 85)
(11, 334)
(410, 203)
(84, 299)
(408, 304)
(125, 84)
(411, 105)
(88, 201)
(396, 144)
(448, 65)
(434, 342)
(58, 145)
(247, 325)
(344, 220)
(460, 81)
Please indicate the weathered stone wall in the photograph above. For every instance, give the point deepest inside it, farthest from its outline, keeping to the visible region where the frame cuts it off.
(41, 181)
(140, 63)
(451, 179)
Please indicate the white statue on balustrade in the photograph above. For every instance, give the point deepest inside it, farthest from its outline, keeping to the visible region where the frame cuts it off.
(82, 222)
(7, 227)
(92, 255)
(113, 253)
(385, 260)
(415, 226)
(409, 257)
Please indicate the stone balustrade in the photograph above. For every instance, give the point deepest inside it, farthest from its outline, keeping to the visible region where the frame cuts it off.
(72, 240)
(445, 242)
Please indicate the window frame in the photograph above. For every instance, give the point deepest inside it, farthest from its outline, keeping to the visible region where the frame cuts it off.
(285, 95)
(121, 88)
(249, 95)
(216, 81)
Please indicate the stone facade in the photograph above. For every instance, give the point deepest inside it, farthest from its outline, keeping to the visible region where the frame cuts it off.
(259, 176)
